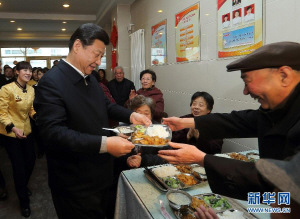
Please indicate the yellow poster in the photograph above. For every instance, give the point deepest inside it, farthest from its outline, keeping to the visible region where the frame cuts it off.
(239, 27)
(187, 34)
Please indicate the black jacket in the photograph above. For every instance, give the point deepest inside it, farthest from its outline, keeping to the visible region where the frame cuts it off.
(209, 146)
(3, 80)
(278, 133)
(120, 90)
(71, 112)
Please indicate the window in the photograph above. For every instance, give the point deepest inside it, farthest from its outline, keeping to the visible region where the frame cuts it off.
(38, 57)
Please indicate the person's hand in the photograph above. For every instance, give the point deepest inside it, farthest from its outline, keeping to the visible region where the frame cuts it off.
(192, 133)
(118, 146)
(139, 119)
(132, 94)
(203, 213)
(185, 154)
(134, 161)
(123, 135)
(176, 123)
(19, 133)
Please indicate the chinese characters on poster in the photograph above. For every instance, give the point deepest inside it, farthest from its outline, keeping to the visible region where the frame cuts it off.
(159, 43)
(239, 27)
(187, 34)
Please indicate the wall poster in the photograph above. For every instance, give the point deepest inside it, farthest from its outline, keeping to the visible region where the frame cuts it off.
(187, 34)
(159, 43)
(240, 27)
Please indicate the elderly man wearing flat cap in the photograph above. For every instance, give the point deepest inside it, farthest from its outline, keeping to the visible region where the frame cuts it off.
(271, 75)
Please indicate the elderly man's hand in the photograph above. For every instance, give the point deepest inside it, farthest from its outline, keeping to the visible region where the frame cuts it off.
(118, 146)
(185, 154)
(139, 119)
(176, 123)
(203, 213)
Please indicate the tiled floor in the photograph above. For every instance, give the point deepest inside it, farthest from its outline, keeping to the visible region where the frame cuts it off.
(41, 202)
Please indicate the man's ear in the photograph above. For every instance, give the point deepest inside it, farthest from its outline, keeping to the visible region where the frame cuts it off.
(77, 45)
(286, 75)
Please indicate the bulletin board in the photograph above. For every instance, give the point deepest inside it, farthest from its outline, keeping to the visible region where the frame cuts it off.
(240, 27)
(187, 34)
(159, 43)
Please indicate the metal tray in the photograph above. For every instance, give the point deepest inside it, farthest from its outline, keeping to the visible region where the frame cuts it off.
(251, 159)
(161, 181)
(150, 149)
(154, 182)
(234, 206)
(156, 146)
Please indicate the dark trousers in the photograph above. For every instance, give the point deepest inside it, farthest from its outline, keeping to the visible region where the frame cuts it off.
(92, 207)
(2, 181)
(37, 138)
(22, 157)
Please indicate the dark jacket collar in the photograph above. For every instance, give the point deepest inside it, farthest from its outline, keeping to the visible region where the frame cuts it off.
(71, 73)
(287, 115)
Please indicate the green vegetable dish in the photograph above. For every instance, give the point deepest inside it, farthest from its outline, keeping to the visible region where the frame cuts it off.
(140, 128)
(172, 182)
(217, 202)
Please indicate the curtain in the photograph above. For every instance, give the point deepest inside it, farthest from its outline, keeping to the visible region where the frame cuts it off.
(137, 56)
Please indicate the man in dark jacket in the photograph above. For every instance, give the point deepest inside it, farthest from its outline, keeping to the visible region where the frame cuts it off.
(120, 87)
(272, 76)
(7, 77)
(71, 112)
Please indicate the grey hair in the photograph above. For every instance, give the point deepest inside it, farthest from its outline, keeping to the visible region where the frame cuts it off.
(141, 100)
(118, 67)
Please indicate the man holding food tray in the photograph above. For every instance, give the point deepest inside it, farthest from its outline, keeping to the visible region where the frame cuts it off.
(72, 112)
(271, 75)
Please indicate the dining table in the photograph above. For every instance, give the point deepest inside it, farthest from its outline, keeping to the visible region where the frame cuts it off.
(137, 197)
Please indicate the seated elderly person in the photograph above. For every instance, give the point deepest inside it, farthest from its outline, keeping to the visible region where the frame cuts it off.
(201, 104)
(148, 79)
(143, 105)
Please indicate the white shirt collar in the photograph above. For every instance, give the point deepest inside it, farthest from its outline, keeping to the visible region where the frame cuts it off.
(84, 76)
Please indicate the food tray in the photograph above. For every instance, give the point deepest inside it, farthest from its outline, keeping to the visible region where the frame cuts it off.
(165, 127)
(234, 155)
(160, 182)
(150, 149)
(233, 203)
(238, 156)
(253, 157)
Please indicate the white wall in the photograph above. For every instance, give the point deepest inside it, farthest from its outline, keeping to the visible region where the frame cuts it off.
(123, 38)
(179, 81)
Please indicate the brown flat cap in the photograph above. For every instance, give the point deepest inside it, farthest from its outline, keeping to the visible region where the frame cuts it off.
(272, 55)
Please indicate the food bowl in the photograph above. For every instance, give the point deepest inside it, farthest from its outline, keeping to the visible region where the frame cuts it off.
(125, 130)
(179, 200)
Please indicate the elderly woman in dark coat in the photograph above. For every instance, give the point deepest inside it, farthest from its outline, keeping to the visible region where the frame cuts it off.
(201, 104)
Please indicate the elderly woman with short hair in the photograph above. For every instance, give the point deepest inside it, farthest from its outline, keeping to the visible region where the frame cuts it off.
(143, 105)
(201, 104)
(148, 79)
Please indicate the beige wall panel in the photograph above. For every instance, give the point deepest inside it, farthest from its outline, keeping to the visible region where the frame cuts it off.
(179, 81)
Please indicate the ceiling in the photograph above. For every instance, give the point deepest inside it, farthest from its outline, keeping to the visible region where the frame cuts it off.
(41, 20)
